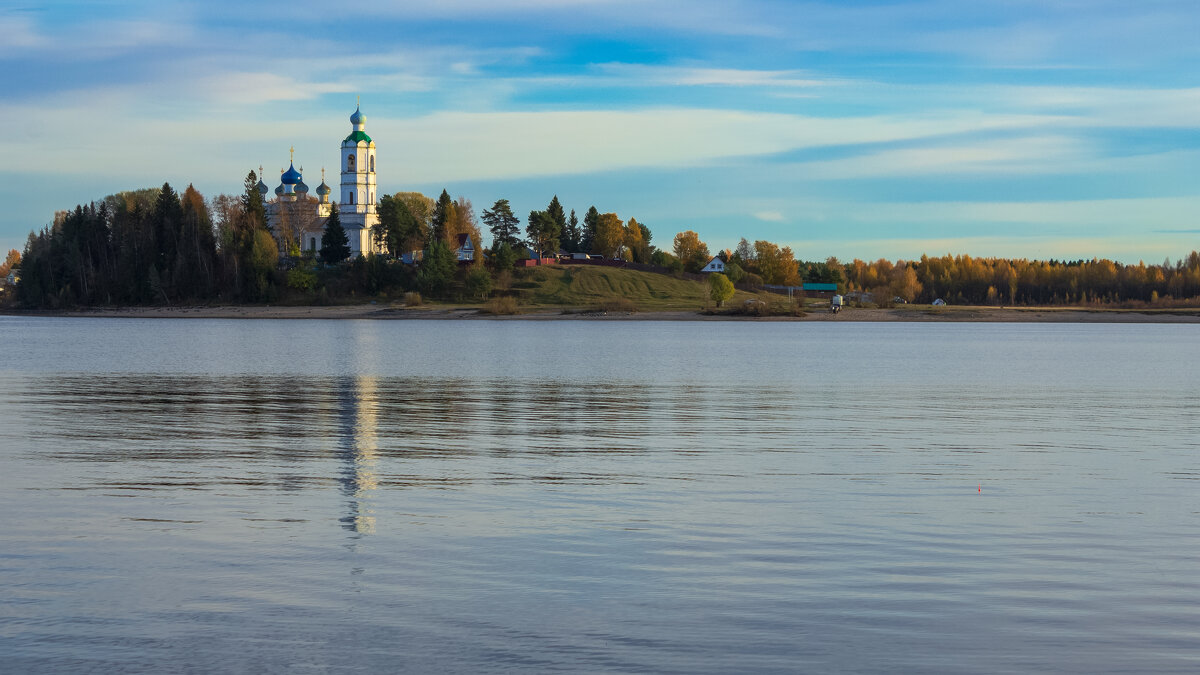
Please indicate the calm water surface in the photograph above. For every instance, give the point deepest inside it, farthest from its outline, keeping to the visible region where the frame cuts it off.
(346, 496)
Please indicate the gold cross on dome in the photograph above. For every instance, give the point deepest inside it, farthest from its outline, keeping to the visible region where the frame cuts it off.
(292, 154)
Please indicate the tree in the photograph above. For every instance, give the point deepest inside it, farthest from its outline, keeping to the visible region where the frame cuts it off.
(504, 226)
(720, 288)
(479, 282)
(558, 218)
(264, 257)
(195, 265)
(13, 260)
(692, 252)
(543, 233)
(776, 265)
(503, 257)
(638, 241)
(437, 268)
(743, 256)
(252, 203)
(587, 236)
(571, 234)
(609, 235)
(335, 245)
(399, 229)
(441, 212)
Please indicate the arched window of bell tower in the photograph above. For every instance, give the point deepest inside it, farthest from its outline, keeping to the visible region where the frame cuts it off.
(350, 198)
(372, 163)
(350, 162)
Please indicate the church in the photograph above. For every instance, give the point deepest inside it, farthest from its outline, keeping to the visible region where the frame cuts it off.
(298, 220)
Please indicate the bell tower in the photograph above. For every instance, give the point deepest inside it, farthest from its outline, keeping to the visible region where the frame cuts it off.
(358, 169)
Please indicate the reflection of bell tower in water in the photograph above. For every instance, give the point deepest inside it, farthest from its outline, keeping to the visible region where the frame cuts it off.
(358, 410)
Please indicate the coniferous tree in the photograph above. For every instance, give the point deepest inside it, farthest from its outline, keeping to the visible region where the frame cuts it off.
(441, 212)
(399, 228)
(587, 237)
(437, 268)
(543, 233)
(166, 222)
(252, 203)
(571, 234)
(335, 245)
(558, 221)
(505, 226)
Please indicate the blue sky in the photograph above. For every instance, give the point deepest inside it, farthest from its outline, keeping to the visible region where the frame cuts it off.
(1034, 129)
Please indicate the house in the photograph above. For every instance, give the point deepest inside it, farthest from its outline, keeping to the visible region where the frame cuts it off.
(714, 265)
(466, 250)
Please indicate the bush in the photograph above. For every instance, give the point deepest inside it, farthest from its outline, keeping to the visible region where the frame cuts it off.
(617, 305)
(412, 299)
(479, 282)
(301, 279)
(501, 305)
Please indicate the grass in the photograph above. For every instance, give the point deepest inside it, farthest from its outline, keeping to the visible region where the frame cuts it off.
(592, 287)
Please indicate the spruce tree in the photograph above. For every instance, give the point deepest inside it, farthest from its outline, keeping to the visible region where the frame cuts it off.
(571, 234)
(335, 246)
(252, 203)
(558, 220)
(441, 212)
(587, 238)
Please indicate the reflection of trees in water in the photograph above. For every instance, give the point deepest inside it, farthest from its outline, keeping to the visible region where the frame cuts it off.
(281, 432)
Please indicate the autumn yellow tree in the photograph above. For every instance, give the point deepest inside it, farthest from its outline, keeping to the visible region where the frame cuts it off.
(692, 252)
(720, 288)
(776, 265)
(635, 241)
(610, 235)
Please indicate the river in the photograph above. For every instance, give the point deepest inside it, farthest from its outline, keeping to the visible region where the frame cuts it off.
(673, 497)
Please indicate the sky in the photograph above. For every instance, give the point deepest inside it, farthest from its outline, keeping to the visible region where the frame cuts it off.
(1019, 128)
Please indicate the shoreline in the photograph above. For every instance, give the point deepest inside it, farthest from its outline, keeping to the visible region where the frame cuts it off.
(921, 314)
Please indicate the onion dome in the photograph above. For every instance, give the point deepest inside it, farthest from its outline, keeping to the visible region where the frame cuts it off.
(262, 187)
(323, 190)
(291, 176)
(301, 188)
(279, 190)
(358, 118)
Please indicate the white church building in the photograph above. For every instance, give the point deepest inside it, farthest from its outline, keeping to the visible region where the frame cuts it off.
(295, 217)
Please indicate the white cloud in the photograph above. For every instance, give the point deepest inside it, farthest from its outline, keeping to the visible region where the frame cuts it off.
(257, 88)
(769, 216)
(1026, 155)
(18, 34)
(630, 74)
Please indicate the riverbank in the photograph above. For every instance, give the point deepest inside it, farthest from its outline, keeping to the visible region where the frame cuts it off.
(386, 312)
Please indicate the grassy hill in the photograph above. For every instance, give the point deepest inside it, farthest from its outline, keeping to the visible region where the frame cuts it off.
(584, 287)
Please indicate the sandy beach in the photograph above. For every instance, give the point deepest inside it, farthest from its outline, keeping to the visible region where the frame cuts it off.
(390, 312)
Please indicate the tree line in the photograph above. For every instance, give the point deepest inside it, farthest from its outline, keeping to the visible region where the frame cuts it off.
(152, 246)
(962, 279)
(157, 246)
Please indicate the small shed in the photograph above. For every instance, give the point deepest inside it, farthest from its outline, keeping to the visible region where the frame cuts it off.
(714, 265)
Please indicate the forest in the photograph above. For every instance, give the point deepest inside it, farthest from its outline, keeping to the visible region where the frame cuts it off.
(159, 247)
